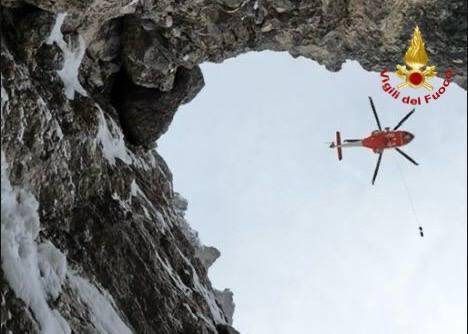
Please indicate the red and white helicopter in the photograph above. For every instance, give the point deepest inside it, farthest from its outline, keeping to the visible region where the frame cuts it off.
(379, 140)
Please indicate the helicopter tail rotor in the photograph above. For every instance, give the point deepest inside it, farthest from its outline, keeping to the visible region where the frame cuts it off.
(337, 144)
(339, 151)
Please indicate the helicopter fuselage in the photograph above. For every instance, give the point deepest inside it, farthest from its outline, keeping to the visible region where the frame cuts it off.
(381, 140)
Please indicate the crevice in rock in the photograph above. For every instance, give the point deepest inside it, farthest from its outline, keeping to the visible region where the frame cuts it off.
(145, 113)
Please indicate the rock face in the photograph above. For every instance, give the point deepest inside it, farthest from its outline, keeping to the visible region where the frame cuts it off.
(94, 238)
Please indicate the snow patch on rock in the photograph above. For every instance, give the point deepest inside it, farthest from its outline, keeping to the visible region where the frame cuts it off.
(112, 143)
(174, 276)
(53, 268)
(73, 55)
(4, 96)
(221, 301)
(208, 295)
(111, 140)
(129, 8)
(101, 306)
(35, 273)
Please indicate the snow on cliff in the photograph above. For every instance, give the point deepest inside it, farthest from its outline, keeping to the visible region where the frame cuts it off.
(36, 271)
(33, 271)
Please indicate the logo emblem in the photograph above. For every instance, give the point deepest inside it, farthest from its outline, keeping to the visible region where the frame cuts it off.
(415, 74)
(416, 71)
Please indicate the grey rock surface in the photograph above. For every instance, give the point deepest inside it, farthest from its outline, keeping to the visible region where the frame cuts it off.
(226, 300)
(209, 255)
(82, 140)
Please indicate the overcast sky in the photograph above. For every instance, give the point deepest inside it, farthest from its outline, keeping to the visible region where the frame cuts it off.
(308, 245)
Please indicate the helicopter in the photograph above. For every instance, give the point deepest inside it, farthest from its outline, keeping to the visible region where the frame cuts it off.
(379, 140)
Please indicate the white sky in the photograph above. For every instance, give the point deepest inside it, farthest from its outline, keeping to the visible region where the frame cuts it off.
(308, 245)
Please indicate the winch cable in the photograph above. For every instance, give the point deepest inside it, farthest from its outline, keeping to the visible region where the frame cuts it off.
(410, 198)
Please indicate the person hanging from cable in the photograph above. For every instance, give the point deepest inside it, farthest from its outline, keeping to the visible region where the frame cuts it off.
(421, 232)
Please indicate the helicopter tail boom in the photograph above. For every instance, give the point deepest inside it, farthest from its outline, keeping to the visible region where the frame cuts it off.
(339, 145)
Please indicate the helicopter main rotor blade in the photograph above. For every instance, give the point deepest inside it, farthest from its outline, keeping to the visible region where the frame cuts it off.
(375, 113)
(377, 167)
(406, 156)
(403, 120)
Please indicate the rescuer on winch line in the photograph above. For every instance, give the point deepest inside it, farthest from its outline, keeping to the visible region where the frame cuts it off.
(378, 141)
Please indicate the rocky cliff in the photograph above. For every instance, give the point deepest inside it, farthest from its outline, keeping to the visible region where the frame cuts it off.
(94, 238)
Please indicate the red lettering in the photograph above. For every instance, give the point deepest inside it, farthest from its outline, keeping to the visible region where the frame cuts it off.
(384, 75)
